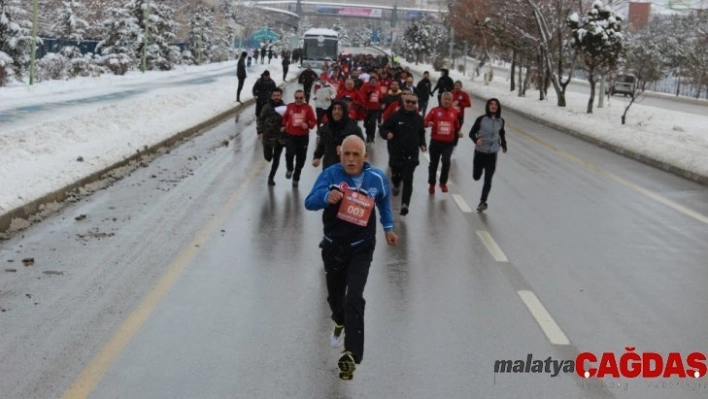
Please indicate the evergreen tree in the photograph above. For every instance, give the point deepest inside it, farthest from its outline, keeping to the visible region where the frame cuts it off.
(201, 35)
(15, 40)
(421, 38)
(160, 54)
(121, 37)
(228, 10)
(362, 36)
(597, 39)
(222, 48)
(343, 33)
(69, 27)
(303, 26)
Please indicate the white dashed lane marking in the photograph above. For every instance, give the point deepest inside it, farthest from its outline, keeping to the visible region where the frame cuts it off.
(461, 203)
(543, 318)
(492, 246)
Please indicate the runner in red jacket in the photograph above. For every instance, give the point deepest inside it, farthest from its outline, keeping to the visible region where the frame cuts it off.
(444, 120)
(298, 119)
(353, 98)
(460, 101)
(371, 93)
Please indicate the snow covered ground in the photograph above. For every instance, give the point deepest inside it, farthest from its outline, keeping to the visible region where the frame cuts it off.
(45, 128)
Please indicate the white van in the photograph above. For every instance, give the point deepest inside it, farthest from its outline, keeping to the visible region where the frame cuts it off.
(624, 84)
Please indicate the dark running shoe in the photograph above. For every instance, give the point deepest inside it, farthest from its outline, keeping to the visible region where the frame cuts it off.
(443, 187)
(295, 183)
(404, 210)
(396, 190)
(431, 189)
(482, 207)
(271, 181)
(346, 366)
(288, 174)
(337, 337)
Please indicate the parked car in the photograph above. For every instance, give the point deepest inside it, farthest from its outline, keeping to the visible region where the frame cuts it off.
(624, 84)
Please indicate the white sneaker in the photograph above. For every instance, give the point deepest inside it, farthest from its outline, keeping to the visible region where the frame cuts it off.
(337, 337)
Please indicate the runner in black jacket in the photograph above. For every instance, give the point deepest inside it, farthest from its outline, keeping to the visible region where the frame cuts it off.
(406, 135)
(444, 84)
(332, 133)
(261, 91)
(424, 90)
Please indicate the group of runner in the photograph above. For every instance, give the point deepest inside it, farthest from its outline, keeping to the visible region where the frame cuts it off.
(349, 189)
(385, 98)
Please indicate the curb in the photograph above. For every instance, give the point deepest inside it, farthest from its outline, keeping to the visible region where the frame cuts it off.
(26, 215)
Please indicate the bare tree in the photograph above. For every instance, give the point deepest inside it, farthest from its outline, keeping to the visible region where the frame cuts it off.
(643, 57)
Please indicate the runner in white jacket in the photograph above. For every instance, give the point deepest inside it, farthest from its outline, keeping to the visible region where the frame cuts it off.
(324, 94)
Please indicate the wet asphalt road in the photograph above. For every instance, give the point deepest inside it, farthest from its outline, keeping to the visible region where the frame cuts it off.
(192, 279)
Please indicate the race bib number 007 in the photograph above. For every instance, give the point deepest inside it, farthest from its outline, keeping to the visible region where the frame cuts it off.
(355, 208)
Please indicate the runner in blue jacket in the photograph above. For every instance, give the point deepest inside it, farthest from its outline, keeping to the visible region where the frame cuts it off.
(349, 193)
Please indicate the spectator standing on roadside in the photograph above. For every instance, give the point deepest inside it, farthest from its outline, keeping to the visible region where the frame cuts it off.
(241, 74)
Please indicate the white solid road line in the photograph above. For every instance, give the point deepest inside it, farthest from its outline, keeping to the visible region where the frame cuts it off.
(543, 318)
(492, 246)
(461, 203)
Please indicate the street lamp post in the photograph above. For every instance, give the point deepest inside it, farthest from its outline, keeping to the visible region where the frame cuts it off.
(33, 45)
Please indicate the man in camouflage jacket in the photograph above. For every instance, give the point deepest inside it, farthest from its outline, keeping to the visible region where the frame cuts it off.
(268, 126)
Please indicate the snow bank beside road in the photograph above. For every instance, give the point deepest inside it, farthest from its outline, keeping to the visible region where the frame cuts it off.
(39, 152)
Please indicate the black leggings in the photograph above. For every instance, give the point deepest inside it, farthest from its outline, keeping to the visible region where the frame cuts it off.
(272, 153)
(439, 150)
(321, 112)
(259, 107)
(487, 163)
(403, 173)
(372, 116)
(296, 153)
(240, 87)
(347, 270)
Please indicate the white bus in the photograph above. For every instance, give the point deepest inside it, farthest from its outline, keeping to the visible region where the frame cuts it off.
(319, 45)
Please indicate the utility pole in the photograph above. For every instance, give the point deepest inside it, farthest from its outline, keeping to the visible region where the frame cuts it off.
(146, 36)
(199, 40)
(452, 45)
(464, 68)
(33, 46)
